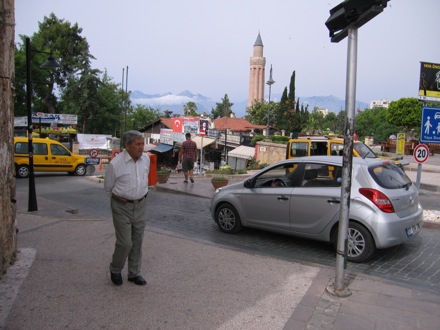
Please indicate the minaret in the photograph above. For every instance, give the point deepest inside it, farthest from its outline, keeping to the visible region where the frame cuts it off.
(256, 78)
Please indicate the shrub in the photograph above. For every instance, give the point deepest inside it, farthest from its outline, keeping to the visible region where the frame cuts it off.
(255, 165)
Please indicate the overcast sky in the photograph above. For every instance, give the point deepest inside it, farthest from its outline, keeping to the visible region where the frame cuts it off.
(204, 46)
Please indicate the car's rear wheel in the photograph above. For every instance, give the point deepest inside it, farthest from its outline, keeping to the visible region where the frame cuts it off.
(22, 171)
(227, 219)
(360, 245)
(80, 170)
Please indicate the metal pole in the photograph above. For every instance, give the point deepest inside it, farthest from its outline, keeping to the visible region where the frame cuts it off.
(270, 82)
(201, 157)
(32, 202)
(226, 149)
(268, 114)
(126, 105)
(419, 175)
(350, 99)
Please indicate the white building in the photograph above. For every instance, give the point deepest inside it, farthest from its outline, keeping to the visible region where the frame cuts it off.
(379, 104)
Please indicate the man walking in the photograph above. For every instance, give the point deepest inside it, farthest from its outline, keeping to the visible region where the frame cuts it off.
(188, 156)
(126, 181)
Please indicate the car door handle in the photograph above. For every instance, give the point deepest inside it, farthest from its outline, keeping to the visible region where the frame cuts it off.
(333, 201)
(282, 198)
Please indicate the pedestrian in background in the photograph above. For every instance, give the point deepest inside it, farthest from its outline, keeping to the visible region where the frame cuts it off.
(188, 156)
(126, 182)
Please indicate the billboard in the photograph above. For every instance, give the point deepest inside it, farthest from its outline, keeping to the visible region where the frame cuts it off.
(429, 85)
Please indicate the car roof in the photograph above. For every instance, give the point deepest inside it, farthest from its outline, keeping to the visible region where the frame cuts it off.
(25, 139)
(335, 160)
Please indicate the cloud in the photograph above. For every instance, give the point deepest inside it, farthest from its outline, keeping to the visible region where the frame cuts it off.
(165, 100)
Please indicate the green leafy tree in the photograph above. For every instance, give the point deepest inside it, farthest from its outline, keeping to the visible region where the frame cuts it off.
(315, 122)
(81, 97)
(405, 112)
(329, 123)
(142, 116)
(258, 113)
(222, 109)
(340, 121)
(373, 122)
(69, 48)
(167, 113)
(190, 109)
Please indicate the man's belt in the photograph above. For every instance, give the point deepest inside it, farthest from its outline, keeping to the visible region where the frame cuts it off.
(125, 200)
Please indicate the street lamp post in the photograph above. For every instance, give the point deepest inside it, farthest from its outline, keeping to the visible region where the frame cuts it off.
(50, 63)
(270, 82)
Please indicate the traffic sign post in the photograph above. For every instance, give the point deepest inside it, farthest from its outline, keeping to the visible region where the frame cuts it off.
(93, 153)
(421, 155)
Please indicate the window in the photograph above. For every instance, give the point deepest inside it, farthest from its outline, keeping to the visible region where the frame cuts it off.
(299, 149)
(321, 175)
(58, 150)
(40, 148)
(280, 176)
(389, 176)
(21, 148)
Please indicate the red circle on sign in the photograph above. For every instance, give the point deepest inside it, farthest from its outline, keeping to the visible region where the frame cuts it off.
(421, 153)
(93, 153)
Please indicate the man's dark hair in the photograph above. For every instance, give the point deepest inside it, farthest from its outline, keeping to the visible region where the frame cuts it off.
(188, 135)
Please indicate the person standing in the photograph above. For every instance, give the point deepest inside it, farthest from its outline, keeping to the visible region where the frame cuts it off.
(187, 157)
(126, 182)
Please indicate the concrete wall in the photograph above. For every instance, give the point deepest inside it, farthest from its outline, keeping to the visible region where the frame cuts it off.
(269, 153)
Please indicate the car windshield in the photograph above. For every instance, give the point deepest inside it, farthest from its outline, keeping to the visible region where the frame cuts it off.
(363, 150)
(389, 176)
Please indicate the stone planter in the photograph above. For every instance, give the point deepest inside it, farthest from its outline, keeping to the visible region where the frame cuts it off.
(162, 177)
(219, 183)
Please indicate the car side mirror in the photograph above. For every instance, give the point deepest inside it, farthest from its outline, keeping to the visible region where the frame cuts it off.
(248, 183)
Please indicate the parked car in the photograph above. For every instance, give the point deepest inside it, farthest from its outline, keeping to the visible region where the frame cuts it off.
(302, 197)
(49, 156)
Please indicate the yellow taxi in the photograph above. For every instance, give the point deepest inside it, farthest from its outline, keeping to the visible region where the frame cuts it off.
(49, 156)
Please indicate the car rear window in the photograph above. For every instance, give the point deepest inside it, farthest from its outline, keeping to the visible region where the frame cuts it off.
(389, 176)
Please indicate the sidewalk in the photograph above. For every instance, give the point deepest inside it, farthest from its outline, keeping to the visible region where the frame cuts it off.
(61, 281)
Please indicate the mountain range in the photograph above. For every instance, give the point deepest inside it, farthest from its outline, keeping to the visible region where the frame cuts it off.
(175, 102)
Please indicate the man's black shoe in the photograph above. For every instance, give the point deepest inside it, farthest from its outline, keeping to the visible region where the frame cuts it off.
(116, 278)
(138, 280)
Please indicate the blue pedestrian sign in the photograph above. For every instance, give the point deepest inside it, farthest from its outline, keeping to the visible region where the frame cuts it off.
(430, 129)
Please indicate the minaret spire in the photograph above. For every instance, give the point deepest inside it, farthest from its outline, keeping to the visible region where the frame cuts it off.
(257, 73)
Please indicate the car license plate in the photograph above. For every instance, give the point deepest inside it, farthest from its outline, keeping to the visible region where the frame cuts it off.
(411, 231)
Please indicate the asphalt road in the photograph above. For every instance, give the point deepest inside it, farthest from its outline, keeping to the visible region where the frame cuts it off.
(415, 264)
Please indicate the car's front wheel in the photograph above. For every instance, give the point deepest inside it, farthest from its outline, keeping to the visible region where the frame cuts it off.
(360, 245)
(227, 219)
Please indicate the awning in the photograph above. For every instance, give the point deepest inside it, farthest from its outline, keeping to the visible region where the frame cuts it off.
(149, 146)
(242, 152)
(162, 148)
(206, 141)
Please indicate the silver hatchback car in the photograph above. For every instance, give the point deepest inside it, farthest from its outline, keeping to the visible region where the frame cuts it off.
(302, 197)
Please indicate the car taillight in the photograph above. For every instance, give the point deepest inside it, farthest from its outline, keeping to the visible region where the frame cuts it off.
(379, 199)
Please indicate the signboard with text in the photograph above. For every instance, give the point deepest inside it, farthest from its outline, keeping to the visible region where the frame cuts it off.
(429, 85)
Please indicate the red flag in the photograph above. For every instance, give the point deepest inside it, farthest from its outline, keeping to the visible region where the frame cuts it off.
(178, 125)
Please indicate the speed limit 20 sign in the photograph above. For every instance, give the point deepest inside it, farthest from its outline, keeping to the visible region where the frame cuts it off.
(421, 153)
